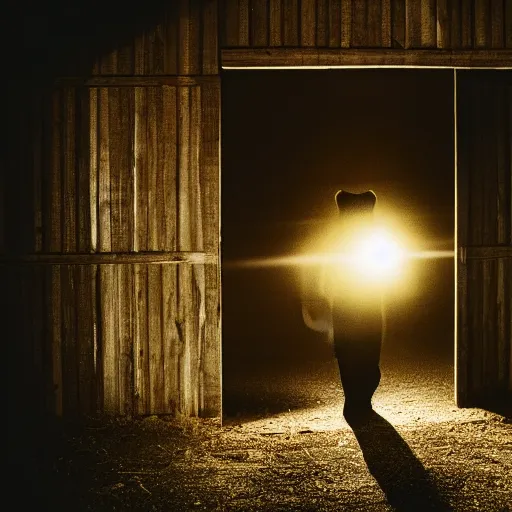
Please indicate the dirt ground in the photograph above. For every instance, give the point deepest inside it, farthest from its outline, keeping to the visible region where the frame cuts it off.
(283, 446)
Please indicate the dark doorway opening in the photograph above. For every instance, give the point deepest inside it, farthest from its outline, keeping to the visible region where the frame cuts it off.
(290, 140)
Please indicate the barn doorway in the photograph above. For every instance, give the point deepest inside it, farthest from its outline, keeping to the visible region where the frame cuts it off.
(289, 141)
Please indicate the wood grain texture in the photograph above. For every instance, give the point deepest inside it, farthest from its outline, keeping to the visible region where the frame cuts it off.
(275, 23)
(444, 24)
(482, 24)
(466, 24)
(485, 190)
(398, 16)
(428, 24)
(322, 24)
(307, 22)
(290, 22)
(334, 23)
(210, 395)
(413, 23)
(346, 23)
(328, 57)
(386, 21)
(359, 24)
(497, 24)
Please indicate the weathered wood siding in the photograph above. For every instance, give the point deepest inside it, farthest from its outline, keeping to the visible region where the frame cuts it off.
(408, 24)
(484, 235)
(111, 202)
(126, 167)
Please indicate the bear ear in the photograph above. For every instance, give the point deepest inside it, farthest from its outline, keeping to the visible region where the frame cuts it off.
(364, 201)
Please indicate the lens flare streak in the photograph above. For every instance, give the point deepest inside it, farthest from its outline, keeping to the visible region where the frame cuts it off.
(324, 259)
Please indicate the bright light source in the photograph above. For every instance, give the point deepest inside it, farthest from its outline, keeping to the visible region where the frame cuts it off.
(378, 255)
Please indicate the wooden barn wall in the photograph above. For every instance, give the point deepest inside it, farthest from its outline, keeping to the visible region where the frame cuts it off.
(485, 230)
(406, 24)
(121, 168)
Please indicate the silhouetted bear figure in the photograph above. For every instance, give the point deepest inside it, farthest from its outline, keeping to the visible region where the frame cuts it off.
(356, 316)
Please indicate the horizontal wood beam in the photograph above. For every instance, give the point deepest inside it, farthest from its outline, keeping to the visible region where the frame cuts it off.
(135, 81)
(485, 252)
(340, 58)
(111, 258)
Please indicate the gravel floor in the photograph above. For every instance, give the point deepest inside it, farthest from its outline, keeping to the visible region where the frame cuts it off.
(284, 446)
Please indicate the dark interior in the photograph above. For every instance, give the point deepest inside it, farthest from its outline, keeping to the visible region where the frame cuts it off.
(290, 140)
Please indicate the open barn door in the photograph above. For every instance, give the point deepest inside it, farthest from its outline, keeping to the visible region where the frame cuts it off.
(484, 238)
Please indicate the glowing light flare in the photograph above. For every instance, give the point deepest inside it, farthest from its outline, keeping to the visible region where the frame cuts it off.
(376, 255)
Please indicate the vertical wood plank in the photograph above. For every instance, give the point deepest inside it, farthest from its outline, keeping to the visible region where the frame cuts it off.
(275, 23)
(477, 237)
(69, 244)
(230, 23)
(374, 23)
(140, 243)
(107, 341)
(322, 23)
(85, 340)
(456, 24)
(428, 24)
(56, 337)
(502, 109)
(157, 49)
(307, 22)
(386, 35)
(290, 16)
(170, 345)
(93, 168)
(243, 22)
(466, 24)
(107, 326)
(334, 23)
(210, 44)
(462, 119)
(184, 244)
(444, 24)
(259, 23)
(141, 340)
(126, 356)
(489, 236)
(69, 176)
(184, 52)
(482, 24)
(346, 23)
(195, 34)
(196, 312)
(85, 300)
(497, 16)
(211, 371)
(155, 211)
(398, 15)
(360, 36)
(171, 43)
(122, 179)
(84, 167)
(104, 228)
(154, 194)
(169, 168)
(171, 340)
(413, 15)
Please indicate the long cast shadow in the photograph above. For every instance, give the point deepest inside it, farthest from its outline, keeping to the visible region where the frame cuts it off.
(402, 477)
